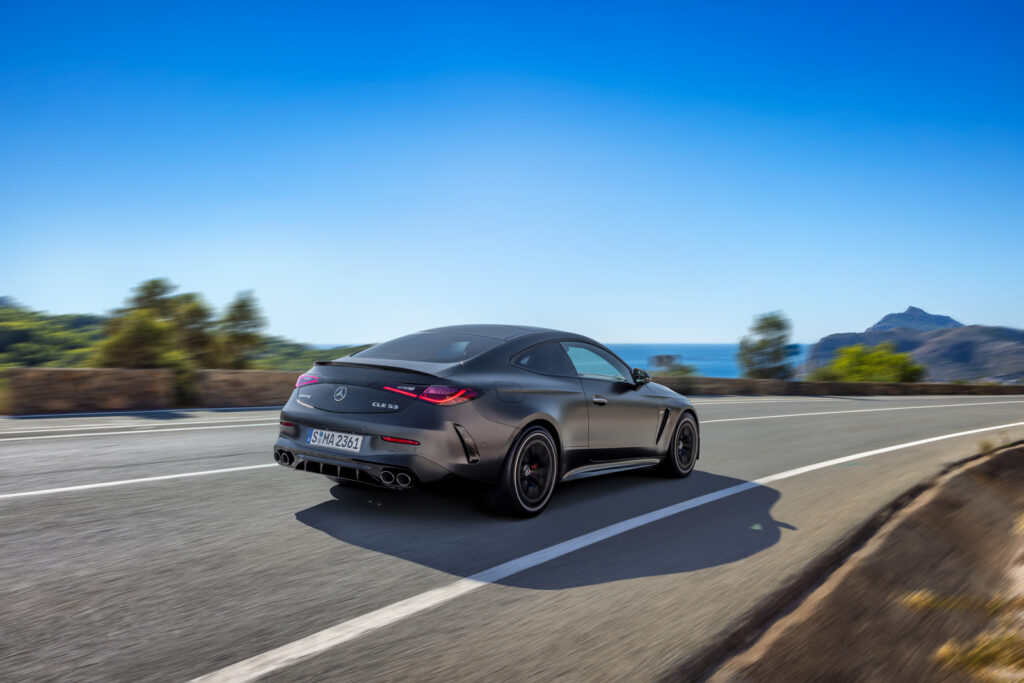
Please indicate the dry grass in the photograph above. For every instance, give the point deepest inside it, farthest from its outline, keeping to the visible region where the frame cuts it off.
(993, 607)
(995, 654)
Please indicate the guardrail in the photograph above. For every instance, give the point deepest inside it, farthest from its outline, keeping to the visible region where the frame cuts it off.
(85, 390)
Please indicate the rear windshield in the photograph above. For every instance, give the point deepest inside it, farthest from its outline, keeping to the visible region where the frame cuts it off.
(431, 347)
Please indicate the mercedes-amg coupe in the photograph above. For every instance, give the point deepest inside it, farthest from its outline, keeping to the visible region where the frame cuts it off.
(518, 408)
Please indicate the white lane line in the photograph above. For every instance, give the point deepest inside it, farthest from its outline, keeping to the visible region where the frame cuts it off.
(710, 400)
(714, 402)
(864, 410)
(124, 482)
(117, 413)
(137, 425)
(133, 431)
(278, 658)
(266, 424)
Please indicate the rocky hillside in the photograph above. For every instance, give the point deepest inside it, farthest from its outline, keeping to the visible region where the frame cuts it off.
(914, 319)
(950, 350)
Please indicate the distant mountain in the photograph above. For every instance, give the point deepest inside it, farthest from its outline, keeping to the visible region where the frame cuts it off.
(950, 350)
(914, 319)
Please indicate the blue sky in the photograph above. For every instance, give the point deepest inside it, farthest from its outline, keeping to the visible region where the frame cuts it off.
(640, 173)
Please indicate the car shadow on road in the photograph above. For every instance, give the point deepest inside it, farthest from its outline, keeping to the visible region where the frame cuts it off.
(453, 532)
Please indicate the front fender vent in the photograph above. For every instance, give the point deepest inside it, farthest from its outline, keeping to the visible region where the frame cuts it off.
(661, 427)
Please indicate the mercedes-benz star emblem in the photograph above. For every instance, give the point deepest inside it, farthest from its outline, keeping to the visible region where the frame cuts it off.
(340, 393)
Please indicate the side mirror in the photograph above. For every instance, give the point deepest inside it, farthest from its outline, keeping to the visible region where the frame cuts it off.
(640, 377)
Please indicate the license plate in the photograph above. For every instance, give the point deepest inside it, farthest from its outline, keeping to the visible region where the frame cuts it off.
(339, 441)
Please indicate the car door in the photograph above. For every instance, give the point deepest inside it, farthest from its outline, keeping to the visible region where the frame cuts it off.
(557, 391)
(623, 419)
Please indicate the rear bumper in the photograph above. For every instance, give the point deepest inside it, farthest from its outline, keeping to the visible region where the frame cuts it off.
(369, 468)
(453, 441)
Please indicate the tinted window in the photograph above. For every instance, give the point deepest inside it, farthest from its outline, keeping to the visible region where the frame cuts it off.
(431, 347)
(548, 359)
(591, 361)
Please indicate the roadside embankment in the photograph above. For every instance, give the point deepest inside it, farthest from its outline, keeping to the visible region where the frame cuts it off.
(937, 594)
(33, 391)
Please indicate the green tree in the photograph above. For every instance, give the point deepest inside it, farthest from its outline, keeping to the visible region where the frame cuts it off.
(241, 329)
(30, 338)
(860, 363)
(195, 329)
(187, 324)
(154, 295)
(139, 339)
(765, 352)
(670, 364)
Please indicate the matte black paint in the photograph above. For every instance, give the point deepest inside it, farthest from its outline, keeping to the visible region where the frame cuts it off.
(596, 423)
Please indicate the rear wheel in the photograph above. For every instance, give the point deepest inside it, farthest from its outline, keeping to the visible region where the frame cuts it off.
(528, 474)
(683, 449)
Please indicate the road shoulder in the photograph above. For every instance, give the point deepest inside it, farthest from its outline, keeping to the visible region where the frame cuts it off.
(924, 584)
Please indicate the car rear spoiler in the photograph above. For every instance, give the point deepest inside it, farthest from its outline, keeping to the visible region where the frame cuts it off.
(375, 366)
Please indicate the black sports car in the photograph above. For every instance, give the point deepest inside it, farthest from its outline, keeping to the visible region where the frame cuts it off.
(519, 408)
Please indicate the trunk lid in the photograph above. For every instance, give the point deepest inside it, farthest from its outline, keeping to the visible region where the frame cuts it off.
(359, 388)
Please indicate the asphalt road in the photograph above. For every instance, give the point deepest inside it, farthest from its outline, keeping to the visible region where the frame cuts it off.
(168, 577)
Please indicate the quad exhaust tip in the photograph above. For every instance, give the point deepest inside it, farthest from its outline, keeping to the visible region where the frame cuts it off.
(284, 458)
(400, 479)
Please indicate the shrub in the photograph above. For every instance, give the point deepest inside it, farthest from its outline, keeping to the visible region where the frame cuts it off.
(859, 363)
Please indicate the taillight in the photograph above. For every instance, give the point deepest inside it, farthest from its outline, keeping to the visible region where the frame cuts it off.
(395, 439)
(305, 379)
(439, 395)
(447, 396)
(403, 392)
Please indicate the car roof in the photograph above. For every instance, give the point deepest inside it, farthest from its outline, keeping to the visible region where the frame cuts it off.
(503, 332)
(525, 336)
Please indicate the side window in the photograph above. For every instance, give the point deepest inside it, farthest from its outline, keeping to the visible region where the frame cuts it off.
(591, 361)
(547, 359)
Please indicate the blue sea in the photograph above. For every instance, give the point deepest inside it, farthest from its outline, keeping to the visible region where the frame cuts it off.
(711, 360)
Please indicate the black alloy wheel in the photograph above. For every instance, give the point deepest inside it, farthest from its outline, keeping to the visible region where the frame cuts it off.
(684, 448)
(528, 474)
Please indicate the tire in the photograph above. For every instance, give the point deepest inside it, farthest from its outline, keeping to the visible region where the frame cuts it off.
(683, 449)
(528, 475)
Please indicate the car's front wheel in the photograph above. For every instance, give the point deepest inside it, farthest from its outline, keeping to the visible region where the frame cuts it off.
(528, 474)
(683, 449)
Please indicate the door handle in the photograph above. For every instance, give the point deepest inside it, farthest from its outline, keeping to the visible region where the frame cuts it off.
(600, 400)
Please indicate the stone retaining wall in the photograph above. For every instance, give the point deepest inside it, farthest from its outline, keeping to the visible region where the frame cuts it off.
(86, 390)
(240, 388)
(58, 390)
